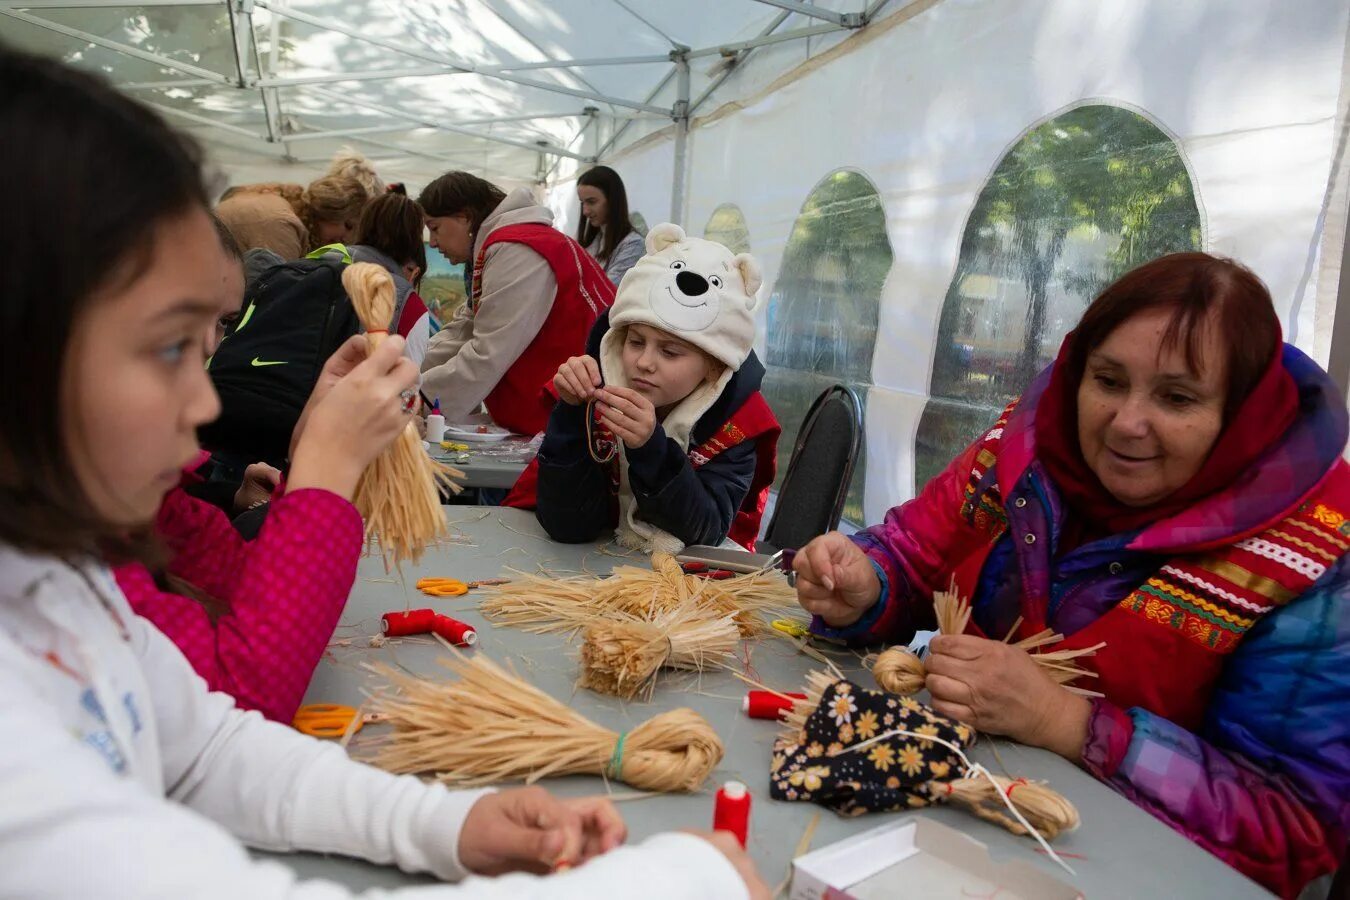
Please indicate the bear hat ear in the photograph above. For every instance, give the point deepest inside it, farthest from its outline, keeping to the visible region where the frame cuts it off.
(662, 236)
(751, 275)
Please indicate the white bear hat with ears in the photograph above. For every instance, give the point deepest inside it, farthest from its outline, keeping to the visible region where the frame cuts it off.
(702, 293)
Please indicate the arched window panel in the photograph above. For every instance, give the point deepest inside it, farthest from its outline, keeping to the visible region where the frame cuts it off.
(727, 226)
(822, 314)
(1078, 201)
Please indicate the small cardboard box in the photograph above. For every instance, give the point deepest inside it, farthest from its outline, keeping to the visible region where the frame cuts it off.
(917, 857)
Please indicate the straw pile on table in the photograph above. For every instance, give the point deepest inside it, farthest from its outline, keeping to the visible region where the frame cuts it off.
(489, 726)
(548, 605)
(398, 495)
(621, 656)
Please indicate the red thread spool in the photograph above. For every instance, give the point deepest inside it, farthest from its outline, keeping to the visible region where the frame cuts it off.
(455, 631)
(414, 621)
(731, 811)
(767, 704)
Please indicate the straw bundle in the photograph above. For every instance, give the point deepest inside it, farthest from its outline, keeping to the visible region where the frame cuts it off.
(546, 605)
(398, 494)
(489, 726)
(899, 671)
(622, 656)
(1047, 811)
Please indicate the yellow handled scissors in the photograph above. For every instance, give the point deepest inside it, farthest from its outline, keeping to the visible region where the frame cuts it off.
(326, 720)
(791, 627)
(442, 587)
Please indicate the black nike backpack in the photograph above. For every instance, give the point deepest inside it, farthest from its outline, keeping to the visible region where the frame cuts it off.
(295, 316)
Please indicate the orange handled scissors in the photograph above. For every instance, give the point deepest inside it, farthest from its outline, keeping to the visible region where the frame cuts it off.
(326, 720)
(442, 587)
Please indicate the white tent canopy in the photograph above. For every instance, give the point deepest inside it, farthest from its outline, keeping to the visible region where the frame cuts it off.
(504, 89)
(934, 188)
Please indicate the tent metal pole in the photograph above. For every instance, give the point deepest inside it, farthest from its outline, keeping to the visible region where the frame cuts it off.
(613, 139)
(843, 20)
(767, 32)
(1338, 362)
(444, 68)
(165, 61)
(242, 11)
(681, 115)
(168, 84)
(793, 35)
(98, 4)
(396, 113)
(577, 63)
(392, 129)
(203, 120)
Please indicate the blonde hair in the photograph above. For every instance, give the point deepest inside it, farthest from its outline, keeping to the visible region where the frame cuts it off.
(333, 198)
(348, 163)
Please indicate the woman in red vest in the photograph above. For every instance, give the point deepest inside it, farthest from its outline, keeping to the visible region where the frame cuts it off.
(1172, 486)
(534, 295)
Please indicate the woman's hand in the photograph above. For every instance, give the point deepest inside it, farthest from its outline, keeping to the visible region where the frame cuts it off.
(260, 480)
(530, 830)
(999, 689)
(728, 846)
(628, 414)
(577, 380)
(354, 420)
(835, 580)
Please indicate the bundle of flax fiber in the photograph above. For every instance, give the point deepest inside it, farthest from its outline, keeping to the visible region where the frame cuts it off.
(899, 671)
(398, 495)
(489, 726)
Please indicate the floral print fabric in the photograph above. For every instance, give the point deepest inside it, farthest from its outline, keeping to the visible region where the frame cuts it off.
(899, 771)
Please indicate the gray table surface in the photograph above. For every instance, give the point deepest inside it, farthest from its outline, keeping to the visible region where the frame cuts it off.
(1119, 851)
(495, 465)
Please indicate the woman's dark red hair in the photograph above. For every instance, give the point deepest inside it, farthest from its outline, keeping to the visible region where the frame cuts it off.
(1194, 286)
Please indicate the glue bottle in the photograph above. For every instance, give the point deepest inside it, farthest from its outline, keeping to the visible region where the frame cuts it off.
(436, 423)
(731, 811)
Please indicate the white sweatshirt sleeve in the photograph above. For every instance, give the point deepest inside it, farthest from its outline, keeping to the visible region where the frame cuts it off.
(518, 294)
(71, 827)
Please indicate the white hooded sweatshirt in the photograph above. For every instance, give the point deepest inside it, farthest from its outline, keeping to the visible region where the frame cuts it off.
(122, 776)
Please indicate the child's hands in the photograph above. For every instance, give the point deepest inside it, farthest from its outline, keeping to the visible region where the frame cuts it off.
(835, 580)
(628, 414)
(355, 421)
(577, 380)
(260, 480)
(530, 830)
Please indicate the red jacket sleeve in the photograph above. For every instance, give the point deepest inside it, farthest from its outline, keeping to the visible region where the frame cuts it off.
(283, 593)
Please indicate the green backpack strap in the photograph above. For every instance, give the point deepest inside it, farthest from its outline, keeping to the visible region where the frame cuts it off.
(327, 249)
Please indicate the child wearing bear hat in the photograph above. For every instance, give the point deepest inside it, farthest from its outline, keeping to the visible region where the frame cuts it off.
(660, 431)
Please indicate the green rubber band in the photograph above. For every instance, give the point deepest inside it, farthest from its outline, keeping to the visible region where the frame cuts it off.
(615, 769)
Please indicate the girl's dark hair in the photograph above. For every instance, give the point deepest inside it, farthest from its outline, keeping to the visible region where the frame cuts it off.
(392, 224)
(460, 192)
(69, 137)
(617, 224)
(227, 239)
(1193, 286)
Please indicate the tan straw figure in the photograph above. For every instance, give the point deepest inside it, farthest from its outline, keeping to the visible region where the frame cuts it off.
(399, 493)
